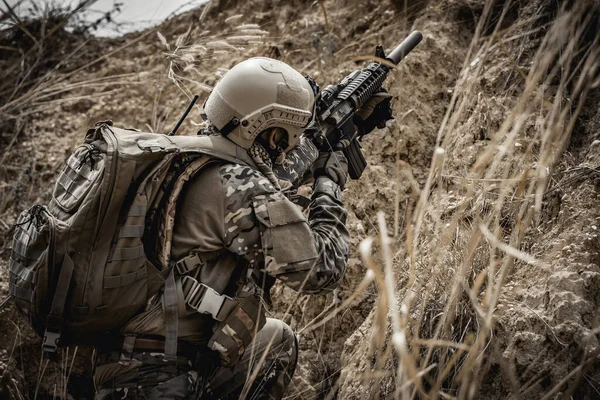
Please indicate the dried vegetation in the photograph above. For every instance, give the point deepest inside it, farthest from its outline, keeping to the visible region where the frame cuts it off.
(475, 265)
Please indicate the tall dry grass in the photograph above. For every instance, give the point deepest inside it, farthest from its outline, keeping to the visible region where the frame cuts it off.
(188, 56)
(440, 284)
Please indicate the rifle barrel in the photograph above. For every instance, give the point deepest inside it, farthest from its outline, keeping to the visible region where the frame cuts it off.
(405, 47)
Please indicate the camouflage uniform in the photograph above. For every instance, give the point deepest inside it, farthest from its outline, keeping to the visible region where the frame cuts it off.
(242, 214)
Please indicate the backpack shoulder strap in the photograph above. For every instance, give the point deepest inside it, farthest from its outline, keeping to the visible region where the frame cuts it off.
(215, 145)
(133, 142)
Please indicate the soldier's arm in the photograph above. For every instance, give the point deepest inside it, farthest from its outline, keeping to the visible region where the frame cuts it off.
(327, 223)
(297, 163)
(268, 230)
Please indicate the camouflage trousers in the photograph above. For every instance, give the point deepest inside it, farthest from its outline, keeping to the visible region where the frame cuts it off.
(271, 358)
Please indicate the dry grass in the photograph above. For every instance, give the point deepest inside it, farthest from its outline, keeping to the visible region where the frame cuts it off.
(193, 48)
(42, 65)
(442, 308)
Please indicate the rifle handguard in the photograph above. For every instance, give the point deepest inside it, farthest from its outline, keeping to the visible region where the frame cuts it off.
(333, 126)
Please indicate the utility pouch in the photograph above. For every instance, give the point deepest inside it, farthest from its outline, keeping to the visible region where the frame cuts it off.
(40, 271)
(233, 335)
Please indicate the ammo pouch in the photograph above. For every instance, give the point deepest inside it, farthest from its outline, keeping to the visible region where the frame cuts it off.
(38, 248)
(238, 319)
(235, 333)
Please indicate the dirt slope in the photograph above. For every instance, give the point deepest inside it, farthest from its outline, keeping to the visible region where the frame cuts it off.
(448, 93)
(546, 318)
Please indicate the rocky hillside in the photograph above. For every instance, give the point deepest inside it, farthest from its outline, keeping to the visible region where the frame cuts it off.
(475, 262)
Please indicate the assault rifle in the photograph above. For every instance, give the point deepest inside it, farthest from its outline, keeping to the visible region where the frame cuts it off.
(337, 104)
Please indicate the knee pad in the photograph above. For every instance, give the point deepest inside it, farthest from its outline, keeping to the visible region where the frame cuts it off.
(290, 341)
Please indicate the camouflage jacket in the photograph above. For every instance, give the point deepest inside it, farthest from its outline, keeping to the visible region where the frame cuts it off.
(236, 211)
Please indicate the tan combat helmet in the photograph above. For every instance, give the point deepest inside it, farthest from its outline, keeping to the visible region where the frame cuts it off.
(257, 94)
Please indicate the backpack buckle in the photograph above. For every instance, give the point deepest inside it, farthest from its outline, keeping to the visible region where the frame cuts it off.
(188, 264)
(202, 298)
(50, 343)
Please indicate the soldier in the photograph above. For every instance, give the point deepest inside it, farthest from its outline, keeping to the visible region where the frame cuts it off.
(235, 232)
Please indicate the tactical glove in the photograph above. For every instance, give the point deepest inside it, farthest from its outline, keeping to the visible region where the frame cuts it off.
(333, 165)
(374, 113)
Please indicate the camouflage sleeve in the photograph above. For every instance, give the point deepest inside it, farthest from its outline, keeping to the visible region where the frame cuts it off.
(271, 233)
(297, 163)
(327, 222)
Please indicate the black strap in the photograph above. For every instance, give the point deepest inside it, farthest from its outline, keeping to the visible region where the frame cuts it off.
(230, 126)
(55, 317)
(171, 317)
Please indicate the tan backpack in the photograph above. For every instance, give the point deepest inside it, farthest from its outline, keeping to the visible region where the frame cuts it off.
(81, 266)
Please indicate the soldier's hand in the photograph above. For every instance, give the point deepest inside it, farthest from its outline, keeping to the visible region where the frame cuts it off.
(374, 113)
(333, 165)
